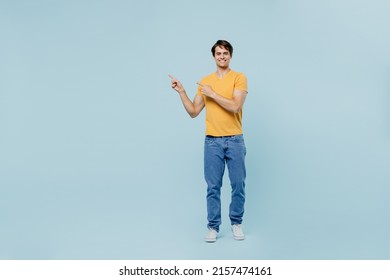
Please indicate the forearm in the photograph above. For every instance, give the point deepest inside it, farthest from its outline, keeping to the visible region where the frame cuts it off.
(188, 104)
(230, 105)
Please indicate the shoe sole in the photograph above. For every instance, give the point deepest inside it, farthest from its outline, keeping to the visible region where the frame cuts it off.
(239, 238)
(210, 240)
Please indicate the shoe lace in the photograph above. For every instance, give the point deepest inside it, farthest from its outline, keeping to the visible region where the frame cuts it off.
(212, 233)
(237, 229)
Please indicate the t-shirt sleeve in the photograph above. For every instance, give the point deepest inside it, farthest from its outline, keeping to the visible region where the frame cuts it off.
(241, 82)
(198, 92)
(199, 89)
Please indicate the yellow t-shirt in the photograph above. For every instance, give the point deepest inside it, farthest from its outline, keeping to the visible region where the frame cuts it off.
(219, 121)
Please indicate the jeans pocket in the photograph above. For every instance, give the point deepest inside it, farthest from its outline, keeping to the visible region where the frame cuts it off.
(209, 140)
(239, 139)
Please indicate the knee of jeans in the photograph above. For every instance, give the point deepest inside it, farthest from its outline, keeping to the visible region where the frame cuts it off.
(214, 187)
(238, 185)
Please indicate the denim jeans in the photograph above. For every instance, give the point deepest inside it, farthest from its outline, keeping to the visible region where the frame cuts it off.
(218, 151)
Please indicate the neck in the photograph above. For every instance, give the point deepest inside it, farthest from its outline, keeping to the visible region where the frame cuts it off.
(222, 71)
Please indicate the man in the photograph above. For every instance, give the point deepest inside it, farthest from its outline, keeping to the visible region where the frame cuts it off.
(223, 94)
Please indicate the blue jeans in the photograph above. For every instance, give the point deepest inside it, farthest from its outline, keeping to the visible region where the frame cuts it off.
(218, 151)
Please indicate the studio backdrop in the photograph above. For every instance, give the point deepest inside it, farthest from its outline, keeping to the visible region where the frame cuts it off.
(99, 160)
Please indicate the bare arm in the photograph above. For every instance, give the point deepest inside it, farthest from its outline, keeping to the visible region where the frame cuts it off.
(233, 105)
(193, 108)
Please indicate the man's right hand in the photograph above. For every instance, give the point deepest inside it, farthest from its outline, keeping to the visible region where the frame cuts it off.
(193, 108)
(176, 85)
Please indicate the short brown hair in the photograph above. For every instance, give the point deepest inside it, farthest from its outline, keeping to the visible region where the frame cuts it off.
(224, 44)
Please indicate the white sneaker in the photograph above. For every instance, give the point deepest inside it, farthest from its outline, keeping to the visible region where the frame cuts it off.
(211, 236)
(238, 234)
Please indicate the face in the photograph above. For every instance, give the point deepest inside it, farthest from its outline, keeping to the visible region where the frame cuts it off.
(222, 57)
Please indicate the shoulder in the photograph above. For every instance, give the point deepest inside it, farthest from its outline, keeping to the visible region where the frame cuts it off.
(240, 81)
(239, 75)
(239, 78)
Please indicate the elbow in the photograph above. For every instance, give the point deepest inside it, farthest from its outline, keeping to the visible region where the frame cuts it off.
(236, 109)
(194, 113)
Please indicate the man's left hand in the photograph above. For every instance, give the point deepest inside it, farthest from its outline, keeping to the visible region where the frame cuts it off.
(206, 90)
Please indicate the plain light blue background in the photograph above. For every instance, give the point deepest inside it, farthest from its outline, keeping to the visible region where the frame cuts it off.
(98, 159)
